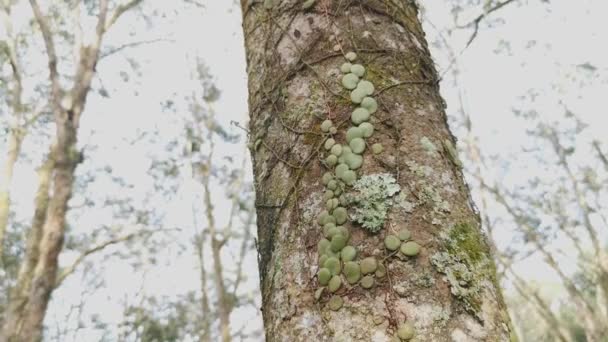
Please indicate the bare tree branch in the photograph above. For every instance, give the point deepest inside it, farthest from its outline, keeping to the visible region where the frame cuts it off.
(70, 269)
(50, 51)
(475, 22)
(120, 10)
(600, 154)
(131, 45)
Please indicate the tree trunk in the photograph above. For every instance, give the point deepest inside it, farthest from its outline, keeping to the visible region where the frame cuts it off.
(447, 291)
(223, 307)
(6, 177)
(19, 293)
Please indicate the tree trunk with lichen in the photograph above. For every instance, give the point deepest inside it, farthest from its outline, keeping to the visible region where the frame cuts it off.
(410, 181)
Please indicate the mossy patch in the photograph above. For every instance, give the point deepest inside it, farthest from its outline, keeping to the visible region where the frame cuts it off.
(466, 263)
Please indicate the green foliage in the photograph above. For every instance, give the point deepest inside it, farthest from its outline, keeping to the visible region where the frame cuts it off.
(381, 271)
(333, 265)
(350, 81)
(326, 125)
(391, 242)
(344, 231)
(327, 177)
(354, 161)
(334, 283)
(357, 95)
(357, 145)
(367, 128)
(322, 257)
(340, 170)
(369, 265)
(322, 245)
(360, 115)
(340, 215)
(370, 104)
(338, 241)
(406, 331)
(404, 234)
(349, 177)
(377, 148)
(347, 254)
(358, 70)
(331, 161)
(367, 282)
(410, 248)
(336, 150)
(352, 272)
(324, 275)
(353, 132)
(366, 86)
(345, 68)
(323, 218)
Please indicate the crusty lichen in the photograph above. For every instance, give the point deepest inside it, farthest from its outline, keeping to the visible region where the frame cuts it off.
(428, 145)
(430, 185)
(466, 264)
(372, 199)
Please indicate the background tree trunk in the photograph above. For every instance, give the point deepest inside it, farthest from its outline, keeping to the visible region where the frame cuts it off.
(449, 291)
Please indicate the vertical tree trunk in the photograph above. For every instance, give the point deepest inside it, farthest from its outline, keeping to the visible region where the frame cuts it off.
(447, 291)
(6, 177)
(223, 307)
(25, 322)
(19, 293)
(17, 131)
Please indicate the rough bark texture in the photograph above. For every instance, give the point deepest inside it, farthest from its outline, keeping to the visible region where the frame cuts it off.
(448, 292)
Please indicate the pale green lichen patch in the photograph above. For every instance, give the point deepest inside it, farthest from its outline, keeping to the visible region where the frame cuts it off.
(372, 199)
(452, 153)
(466, 264)
(428, 145)
(430, 188)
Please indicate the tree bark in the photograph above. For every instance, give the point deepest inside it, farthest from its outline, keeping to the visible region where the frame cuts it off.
(448, 292)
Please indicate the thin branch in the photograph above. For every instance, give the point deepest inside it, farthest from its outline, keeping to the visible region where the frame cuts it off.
(131, 45)
(50, 49)
(120, 10)
(195, 3)
(70, 269)
(101, 21)
(475, 22)
(600, 154)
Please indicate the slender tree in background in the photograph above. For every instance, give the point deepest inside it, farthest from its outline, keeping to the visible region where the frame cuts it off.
(38, 275)
(417, 263)
(22, 116)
